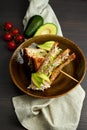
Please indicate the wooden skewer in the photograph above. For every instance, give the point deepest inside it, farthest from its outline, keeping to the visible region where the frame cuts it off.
(69, 76)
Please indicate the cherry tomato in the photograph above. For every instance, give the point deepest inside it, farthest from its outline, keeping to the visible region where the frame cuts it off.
(7, 36)
(8, 26)
(11, 45)
(15, 31)
(19, 38)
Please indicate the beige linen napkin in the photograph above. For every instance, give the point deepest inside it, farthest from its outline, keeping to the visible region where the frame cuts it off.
(62, 113)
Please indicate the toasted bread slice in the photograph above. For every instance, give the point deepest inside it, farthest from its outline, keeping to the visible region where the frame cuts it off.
(37, 62)
(57, 69)
(32, 59)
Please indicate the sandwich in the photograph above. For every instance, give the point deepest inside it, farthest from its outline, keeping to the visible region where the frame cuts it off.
(33, 57)
(46, 65)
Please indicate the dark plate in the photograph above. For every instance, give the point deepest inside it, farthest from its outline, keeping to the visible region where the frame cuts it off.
(62, 84)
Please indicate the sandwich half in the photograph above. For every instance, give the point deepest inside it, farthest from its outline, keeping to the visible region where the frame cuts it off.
(47, 66)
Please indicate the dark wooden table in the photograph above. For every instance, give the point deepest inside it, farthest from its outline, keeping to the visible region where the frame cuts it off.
(72, 15)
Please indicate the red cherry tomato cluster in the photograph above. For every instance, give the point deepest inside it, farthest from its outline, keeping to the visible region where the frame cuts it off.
(12, 36)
